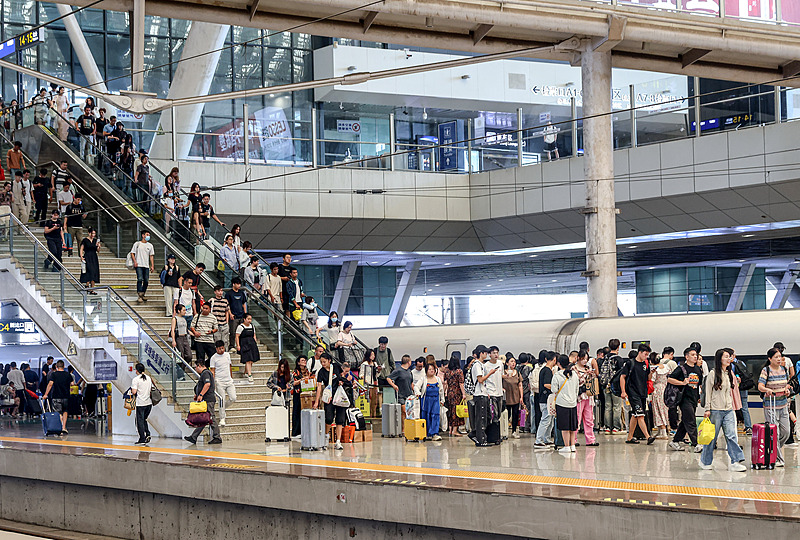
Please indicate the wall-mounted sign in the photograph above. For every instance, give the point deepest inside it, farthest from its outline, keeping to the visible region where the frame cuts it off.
(28, 39)
(17, 326)
(348, 126)
(448, 156)
(128, 117)
(105, 370)
(544, 117)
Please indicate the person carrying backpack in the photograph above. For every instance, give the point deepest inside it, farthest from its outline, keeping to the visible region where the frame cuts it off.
(613, 401)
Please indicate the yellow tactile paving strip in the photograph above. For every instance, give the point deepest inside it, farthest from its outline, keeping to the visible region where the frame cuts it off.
(554, 481)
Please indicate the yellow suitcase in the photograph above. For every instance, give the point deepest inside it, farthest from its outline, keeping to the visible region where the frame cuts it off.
(415, 430)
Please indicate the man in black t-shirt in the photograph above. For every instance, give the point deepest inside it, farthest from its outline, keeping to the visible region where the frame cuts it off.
(335, 416)
(85, 124)
(689, 376)
(54, 234)
(58, 383)
(204, 391)
(633, 383)
(73, 220)
(40, 198)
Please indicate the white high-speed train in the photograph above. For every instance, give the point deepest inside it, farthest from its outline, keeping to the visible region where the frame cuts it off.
(749, 333)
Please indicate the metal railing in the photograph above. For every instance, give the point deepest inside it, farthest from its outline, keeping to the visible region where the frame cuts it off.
(98, 309)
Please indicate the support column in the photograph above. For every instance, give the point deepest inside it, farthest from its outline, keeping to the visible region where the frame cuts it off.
(85, 56)
(343, 286)
(598, 164)
(192, 78)
(786, 285)
(740, 288)
(403, 293)
(137, 46)
(461, 310)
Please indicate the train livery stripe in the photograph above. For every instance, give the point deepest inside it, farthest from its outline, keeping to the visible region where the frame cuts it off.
(426, 471)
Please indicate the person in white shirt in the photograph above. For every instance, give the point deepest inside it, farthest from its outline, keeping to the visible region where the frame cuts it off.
(480, 373)
(141, 385)
(185, 296)
(21, 188)
(419, 370)
(223, 375)
(550, 134)
(65, 196)
(143, 255)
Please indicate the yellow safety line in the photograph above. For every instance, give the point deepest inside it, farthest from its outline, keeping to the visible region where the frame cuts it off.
(447, 473)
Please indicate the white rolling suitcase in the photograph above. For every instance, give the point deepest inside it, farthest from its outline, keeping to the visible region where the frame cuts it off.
(504, 425)
(312, 429)
(277, 419)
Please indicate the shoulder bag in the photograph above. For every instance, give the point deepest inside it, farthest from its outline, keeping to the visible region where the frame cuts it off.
(327, 394)
(155, 393)
(551, 399)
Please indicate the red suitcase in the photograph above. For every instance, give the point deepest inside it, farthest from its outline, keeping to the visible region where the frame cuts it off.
(764, 446)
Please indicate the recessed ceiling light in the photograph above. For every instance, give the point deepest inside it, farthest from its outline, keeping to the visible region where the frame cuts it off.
(272, 95)
(478, 290)
(532, 256)
(632, 247)
(447, 264)
(334, 256)
(488, 285)
(652, 268)
(374, 262)
(747, 235)
(436, 285)
(430, 290)
(553, 280)
(499, 280)
(741, 260)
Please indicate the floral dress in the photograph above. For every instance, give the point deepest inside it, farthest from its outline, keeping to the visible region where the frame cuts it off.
(453, 379)
(660, 411)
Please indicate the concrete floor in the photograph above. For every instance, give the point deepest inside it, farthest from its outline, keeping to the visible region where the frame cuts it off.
(612, 461)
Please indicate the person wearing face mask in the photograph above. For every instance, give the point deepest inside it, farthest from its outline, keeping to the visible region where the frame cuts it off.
(143, 255)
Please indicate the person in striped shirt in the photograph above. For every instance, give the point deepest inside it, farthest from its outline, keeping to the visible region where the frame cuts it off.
(204, 326)
(221, 309)
(774, 384)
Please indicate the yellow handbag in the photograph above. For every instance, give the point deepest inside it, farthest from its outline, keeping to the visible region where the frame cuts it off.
(461, 409)
(74, 390)
(296, 314)
(705, 432)
(198, 407)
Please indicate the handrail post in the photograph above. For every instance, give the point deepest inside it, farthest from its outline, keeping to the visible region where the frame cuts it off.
(174, 376)
(519, 137)
(314, 149)
(173, 134)
(84, 317)
(696, 106)
(35, 262)
(280, 338)
(61, 280)
(246, 133)
(11, 236)
(469, 146)
(634, 130)
(108, 310)
(392, 141)
(778, 111)
(573, 106)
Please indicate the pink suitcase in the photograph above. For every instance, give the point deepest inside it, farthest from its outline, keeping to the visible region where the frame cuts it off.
(764, 446)
(523, 416)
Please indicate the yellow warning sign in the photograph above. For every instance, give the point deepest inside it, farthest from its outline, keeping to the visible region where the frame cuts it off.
(72, 350)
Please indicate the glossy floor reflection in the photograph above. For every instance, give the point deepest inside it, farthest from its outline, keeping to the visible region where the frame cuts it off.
(613, 473)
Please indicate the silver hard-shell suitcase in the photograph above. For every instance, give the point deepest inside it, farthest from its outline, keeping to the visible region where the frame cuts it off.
(391, 420)
(312, 429)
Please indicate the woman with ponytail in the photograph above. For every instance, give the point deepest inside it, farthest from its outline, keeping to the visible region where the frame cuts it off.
(565, 387)
(140, 387)
(719, 409)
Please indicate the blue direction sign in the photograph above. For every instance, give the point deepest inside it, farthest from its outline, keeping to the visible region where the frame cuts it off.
(28, 39)
(448, 153)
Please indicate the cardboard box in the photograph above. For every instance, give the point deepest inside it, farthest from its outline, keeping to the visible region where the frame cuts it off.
(306, 401)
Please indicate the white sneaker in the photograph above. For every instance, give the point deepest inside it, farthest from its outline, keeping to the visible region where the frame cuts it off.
(675, 446)
(792, 445)
(737, 467)
(698, 448)
(515, 435)
(338, 446)
(779, 463)
(572, 448)
(706, 467)
(249, 378)
(564, 450)
(222, 422)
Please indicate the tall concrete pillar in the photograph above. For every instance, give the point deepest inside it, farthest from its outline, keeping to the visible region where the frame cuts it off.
(461, 310)
(192, 78)
(137, 46)
(85, 56)
(343, 287)
(601, 227)
(403, 294)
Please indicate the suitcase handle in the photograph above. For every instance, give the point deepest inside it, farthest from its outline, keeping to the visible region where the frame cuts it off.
(46, 405)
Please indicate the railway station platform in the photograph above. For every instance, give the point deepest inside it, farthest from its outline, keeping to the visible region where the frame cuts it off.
(385, 488)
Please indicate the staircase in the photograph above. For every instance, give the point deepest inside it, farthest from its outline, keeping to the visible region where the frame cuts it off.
(245, 417)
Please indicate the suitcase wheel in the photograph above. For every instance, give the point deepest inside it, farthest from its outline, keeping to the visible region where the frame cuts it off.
(267, 439)
(286, 439)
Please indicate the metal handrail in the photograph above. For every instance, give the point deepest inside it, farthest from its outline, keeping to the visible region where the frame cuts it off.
(111, 293)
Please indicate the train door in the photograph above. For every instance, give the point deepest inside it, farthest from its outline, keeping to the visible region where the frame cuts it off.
(452, 346)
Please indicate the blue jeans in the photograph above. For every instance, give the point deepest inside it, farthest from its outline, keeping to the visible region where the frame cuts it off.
(142, 279)
(545, 430)
(727, 421)
(748, 423)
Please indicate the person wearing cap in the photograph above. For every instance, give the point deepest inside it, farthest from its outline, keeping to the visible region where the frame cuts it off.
(169, 279)
(54, 234)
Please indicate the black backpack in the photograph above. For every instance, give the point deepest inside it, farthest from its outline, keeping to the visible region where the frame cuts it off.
(746, 381)
(616, 388)
(673, 394)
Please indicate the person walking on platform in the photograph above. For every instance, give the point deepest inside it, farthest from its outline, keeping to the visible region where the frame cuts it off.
(587, 377)
(719, 409)
(633, 383)
(454, 393)
(690, 376)
(431, 393)
(58, 383)
(402, 382)
(143, 254)
(544, 431)
(247, 346)
(300, 373)
(223, 376)
(565, 385)
(660, 410)
(512, 387)
(204, 391)
(336, 417)
(480, 397)
(611, 365)
(169, 280)
(141, 387)
(773, 384)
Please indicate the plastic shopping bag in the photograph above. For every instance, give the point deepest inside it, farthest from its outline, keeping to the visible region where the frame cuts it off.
(705, 432)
